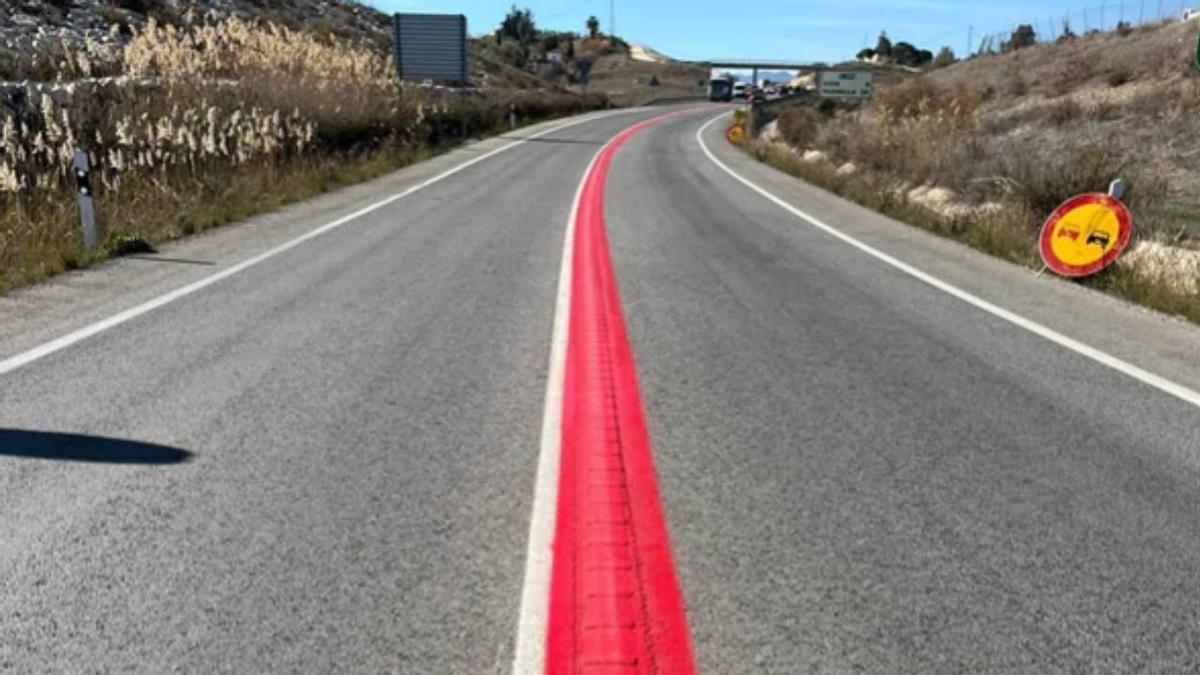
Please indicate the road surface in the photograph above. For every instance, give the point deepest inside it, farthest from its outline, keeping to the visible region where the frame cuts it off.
(325, 461)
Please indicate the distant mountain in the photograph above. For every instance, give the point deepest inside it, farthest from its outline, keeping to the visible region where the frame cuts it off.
(776, 76)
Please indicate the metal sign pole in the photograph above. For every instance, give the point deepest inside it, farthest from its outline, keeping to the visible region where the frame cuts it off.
(87, 210)
(465, 114)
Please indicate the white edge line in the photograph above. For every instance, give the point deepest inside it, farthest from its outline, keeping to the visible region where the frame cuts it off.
(1162, 384)
(529, 657)
(58, 344)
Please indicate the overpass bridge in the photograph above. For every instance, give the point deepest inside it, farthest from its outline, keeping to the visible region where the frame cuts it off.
(755, 65)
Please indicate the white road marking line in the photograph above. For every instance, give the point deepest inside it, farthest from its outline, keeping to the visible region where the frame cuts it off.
(1162, 384)
(530, 655)
(58, 344)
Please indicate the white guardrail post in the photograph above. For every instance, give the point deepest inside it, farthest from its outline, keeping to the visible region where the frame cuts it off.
(87, 209)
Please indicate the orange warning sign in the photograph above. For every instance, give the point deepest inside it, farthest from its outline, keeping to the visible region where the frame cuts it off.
(1085, 234)
(735, 133)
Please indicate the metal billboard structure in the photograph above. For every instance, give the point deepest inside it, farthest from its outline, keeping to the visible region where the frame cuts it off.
(431, 47)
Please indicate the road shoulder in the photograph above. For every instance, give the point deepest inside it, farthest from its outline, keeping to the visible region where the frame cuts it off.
(1163, 345)
(42, 312)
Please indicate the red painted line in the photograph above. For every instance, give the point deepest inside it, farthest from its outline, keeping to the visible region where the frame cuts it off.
(615, 605)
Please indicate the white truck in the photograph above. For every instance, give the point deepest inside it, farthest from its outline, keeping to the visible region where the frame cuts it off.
(847, 84)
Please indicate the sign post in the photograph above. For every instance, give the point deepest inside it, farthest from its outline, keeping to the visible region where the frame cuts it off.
(583, 70)
(87, 208)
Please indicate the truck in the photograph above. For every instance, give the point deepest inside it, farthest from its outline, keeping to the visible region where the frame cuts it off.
(846, 84)
(720, 89)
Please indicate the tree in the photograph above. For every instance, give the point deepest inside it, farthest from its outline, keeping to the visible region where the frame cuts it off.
(519, 25)
(1024, 36)
(906, 54)
(867, 54)
(944, 57)
(593, 26)
(883, 46)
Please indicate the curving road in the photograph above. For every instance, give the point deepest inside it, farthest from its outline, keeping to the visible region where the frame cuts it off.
(325, 461)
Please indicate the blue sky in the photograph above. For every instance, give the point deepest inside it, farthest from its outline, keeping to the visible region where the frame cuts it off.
(804, 30)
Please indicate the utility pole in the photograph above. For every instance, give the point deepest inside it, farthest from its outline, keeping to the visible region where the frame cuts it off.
(612, 20)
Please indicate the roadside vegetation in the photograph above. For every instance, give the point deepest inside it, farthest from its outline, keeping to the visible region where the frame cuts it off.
(196, 123)
(983, 150)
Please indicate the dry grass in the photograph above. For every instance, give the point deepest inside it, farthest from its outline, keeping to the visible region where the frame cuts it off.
(1008, 232)
(210, 122)
(1010, 137)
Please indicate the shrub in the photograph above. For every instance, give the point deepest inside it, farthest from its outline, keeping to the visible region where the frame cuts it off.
(1119, 76)
(1064, 112)
(1104, 111)
(1041, 181)
(798, 126)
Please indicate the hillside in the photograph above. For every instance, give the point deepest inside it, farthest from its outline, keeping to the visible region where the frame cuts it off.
(1134, 95)
(985, 149)
(628, 80)
(625, 74)
(33, 33)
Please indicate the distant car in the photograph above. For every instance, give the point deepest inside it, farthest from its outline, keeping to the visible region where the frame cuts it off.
(739, 90)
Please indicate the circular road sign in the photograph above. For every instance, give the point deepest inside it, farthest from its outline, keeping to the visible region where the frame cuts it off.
(1085, 234)
(735, 133)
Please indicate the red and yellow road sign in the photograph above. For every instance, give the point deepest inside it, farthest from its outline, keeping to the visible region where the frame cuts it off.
(1085, 234)
(735, 133)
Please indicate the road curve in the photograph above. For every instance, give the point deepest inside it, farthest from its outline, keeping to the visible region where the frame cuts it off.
(361, 417)
(864, 473)
(325, 462)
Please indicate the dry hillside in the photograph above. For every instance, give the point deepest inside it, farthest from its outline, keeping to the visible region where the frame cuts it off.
(984, 149)
(629, 80)
(36, 34)
(620, 72)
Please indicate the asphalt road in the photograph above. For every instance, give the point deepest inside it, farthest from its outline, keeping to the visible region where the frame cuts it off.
(863, 473)
(336, 448)
(362, 414)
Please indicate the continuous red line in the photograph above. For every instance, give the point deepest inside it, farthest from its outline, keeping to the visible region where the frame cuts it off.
(615, 605)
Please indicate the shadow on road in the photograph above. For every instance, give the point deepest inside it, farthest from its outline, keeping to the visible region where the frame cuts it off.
(75, 448)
